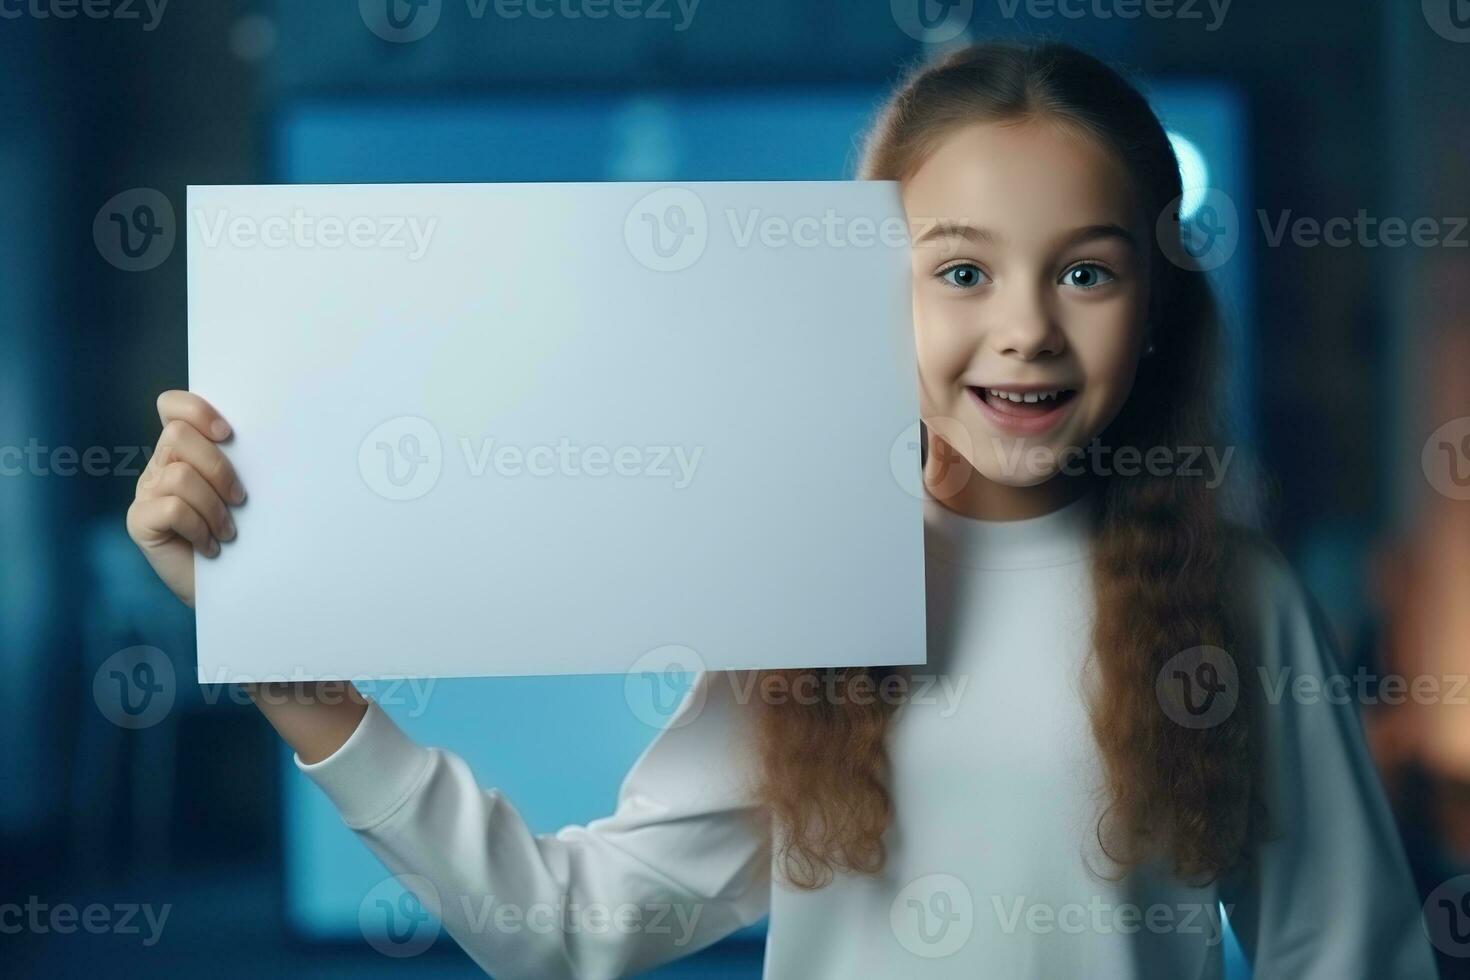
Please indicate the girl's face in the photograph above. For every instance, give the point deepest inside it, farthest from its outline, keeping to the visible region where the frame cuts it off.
(1030, 304)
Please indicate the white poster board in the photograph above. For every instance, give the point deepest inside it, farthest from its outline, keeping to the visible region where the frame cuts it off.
(497, 429)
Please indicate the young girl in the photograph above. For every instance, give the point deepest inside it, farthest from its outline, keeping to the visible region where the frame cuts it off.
(1129, 747)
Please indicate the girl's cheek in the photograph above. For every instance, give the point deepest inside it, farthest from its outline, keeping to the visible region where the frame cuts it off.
(1110, 378)
(931, 385)
(941, 359)
(943, 342)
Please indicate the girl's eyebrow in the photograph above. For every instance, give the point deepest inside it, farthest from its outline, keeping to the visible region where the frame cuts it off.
(1094, 232)
(940, 228)
(960, 229)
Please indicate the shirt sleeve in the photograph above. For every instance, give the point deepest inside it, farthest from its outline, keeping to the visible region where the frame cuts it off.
(683, 861)
(1329, 895)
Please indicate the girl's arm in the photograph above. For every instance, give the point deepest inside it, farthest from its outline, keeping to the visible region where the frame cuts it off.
(683, 861)
(1330, 894)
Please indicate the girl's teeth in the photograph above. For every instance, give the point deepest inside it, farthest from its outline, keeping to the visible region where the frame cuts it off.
(1030, 396)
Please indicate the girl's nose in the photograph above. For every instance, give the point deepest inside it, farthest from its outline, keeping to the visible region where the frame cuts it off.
(1024, 326)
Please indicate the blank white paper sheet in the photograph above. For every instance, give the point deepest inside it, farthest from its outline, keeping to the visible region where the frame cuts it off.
(496, 429)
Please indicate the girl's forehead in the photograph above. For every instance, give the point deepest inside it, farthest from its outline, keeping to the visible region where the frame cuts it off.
(1020, 174)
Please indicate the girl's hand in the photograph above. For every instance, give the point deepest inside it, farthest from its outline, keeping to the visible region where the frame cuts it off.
(182, 506)
(185, 493)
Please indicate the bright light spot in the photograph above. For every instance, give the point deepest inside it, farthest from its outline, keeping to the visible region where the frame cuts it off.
(1194, 175)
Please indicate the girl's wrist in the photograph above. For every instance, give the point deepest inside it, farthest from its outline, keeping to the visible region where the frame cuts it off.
(315, 718)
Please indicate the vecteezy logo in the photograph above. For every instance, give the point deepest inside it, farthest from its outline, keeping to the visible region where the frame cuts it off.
(933, 916)
(400, 21)
(1204, 239)
(399, 916)
(1446, 459)
(932, 21)
(951, 470)
(667, 230)
(1199, 687)
(658, 683)
(1447, 917)
(134, 230)
(134, 688)
(1450, 19)
(402, 458)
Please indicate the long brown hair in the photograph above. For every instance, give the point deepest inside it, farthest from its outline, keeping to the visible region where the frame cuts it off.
(1159, 554)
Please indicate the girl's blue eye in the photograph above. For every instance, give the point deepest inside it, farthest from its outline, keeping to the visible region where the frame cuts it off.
(964, 275)
(1087, 275)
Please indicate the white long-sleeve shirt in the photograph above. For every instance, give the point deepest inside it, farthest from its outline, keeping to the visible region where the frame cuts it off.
(996, 781)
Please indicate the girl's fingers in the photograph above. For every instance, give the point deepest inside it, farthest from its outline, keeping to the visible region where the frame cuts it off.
(185, 406)
(155, 519)
(179, 479)
(181, 442)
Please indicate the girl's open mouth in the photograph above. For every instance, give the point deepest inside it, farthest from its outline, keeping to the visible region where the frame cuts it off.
(1023, 411)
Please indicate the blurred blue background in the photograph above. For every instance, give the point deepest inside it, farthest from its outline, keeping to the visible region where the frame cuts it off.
(1303, 109)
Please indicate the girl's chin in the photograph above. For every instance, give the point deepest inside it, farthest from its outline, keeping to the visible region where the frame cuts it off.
(1023, 454)
(1024, 462)
(1018, 480)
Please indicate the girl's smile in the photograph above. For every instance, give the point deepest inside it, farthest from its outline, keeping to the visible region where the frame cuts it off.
(1023, 410)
